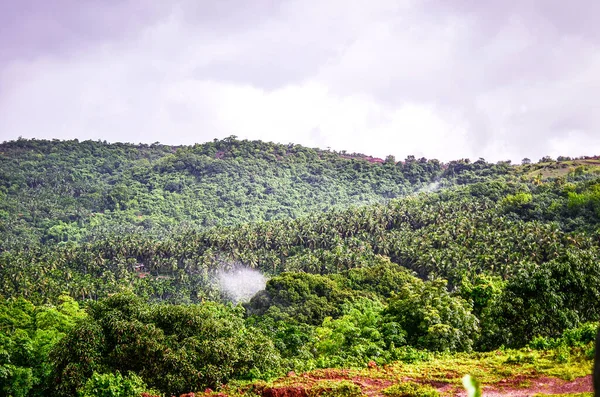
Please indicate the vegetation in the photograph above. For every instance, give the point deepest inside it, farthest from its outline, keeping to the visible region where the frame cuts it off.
(27, 336)
(60, 191)
(410, 389)
(110, 255)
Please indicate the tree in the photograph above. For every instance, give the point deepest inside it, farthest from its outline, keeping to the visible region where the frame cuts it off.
(173, 348)
(432, 317)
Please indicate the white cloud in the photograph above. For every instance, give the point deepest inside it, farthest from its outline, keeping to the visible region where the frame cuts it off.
(373, 77)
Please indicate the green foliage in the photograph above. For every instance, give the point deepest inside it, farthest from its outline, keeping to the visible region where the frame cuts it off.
(356, 261)
(174, 348)
(355, 338)
(411, 355)
(114, 385)
(545, 300)
(300, 297)
(432, 317)
(587, 201)
(27, 334)
(382, 278)
(410, 389)
(76, 358)
(521, 357)
(517, 199)
(58, 191)
(482, 290)
(335, 389)
(582, 336)
(562, 354)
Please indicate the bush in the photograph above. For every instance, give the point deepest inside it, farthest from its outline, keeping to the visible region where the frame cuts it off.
(562, 354)
(516, 200)
(520, 358)
(114, 385)
(410, 389)
(353, 339)
(581, 336)
(335, 389)
(410, 355)
(545, 301)
(576, 337)
(300, 297)
(544, 343)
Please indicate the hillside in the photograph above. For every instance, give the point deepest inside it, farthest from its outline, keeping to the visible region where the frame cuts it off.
(57, 191)
(111, 274)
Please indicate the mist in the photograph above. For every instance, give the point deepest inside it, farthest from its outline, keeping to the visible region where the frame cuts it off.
(432, 187)
(241, 283)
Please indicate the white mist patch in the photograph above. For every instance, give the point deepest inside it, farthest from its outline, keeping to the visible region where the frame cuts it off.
(241, 283)
(432, 187)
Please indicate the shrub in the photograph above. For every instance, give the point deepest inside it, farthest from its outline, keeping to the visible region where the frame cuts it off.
(410, 355)
(581, 336)
(576, 337)
(520, 358)
(562, 354)
(410, 389)
(335, 389)
(114, 385)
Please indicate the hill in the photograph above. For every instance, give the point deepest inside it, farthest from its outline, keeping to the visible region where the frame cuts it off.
(58, 191)
(414, 262)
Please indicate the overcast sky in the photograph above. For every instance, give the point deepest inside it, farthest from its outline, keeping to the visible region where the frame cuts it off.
(443, 79)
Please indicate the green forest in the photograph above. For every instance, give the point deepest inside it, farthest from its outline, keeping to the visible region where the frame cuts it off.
(112, 258)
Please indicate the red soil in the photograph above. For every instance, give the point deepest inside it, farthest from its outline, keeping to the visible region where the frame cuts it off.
(508, 387)
(285, 391)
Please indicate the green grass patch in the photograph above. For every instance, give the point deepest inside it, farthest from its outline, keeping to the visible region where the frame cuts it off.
(410, 389)
(493, 367)
(342, 388)
(503, 367)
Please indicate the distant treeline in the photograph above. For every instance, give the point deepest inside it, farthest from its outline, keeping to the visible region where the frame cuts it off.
(59, 191)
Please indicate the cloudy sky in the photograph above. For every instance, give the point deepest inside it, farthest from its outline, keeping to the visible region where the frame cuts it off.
(443, 79)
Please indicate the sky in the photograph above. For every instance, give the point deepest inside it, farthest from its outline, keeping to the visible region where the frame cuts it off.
(445, 79)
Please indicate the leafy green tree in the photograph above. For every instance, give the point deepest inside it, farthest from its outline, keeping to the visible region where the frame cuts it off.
(173, 348)
(357, 337)
(300, 297)
(544, 300)
(433, 318)
(28, 333)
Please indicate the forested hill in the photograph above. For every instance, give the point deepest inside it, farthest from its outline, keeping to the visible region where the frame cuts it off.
(58, 191)
(367, 260)
(506, 219)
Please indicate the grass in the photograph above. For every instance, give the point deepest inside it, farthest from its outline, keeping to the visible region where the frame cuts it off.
(410, 389)
(514, 368)
(494, 367)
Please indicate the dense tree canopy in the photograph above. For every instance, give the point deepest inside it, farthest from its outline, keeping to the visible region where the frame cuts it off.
(366, 260)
